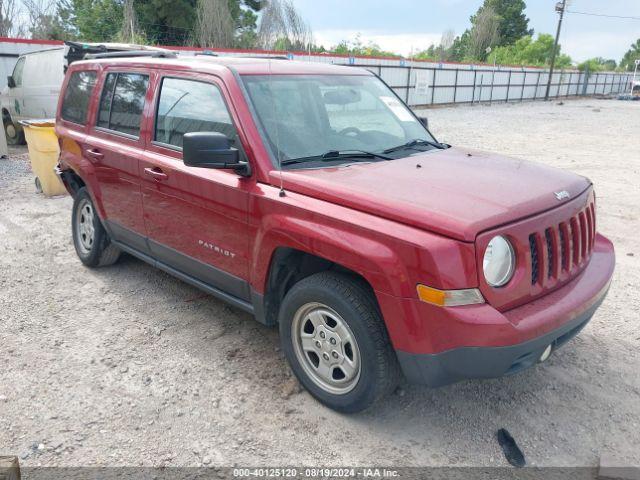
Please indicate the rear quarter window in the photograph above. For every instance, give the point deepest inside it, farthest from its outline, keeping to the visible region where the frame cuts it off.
(76, 97)
(122, 102)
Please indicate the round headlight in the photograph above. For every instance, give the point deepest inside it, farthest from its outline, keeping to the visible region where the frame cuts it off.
(499, 262)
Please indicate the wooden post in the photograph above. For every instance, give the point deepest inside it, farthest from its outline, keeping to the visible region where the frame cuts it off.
(9, 468)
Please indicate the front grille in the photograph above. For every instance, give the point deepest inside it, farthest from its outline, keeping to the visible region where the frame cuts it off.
(562, 248)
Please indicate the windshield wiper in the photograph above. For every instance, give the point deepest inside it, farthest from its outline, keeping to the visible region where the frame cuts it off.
(414, 143)
(337, 155)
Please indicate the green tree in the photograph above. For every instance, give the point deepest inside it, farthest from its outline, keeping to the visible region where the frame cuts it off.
(358, 48)
(628, 61)
(461, 46)
(245, 18)
(513, 24)
(597, 64)
(440, 52)
(430, 53)
(91, 20)
(167, 22)
(527, 51)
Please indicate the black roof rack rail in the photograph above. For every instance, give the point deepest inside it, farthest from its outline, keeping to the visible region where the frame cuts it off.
(209, 53)
(132, 53)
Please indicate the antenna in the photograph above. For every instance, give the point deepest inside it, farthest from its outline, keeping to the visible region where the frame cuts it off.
(273, 112)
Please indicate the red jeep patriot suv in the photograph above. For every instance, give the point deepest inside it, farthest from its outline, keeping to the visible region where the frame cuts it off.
(312, 197)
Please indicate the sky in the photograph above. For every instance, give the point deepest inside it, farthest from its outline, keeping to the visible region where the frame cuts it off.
(403, 25)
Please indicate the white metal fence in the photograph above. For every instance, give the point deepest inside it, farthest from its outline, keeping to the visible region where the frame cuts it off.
(424, 85)
(418, 83)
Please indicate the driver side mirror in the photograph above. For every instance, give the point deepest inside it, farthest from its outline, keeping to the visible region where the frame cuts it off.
(212, 150)
(424, 121)
(11, 83)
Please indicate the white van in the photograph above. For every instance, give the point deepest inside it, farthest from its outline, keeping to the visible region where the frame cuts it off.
(32, 90)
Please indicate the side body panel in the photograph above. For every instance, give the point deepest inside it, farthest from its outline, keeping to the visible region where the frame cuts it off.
(196, 218)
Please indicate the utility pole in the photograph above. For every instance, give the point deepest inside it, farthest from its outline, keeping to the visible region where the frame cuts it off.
(560, 8)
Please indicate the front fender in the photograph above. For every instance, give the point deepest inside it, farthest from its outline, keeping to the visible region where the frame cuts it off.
(374, 261)
(391, 256)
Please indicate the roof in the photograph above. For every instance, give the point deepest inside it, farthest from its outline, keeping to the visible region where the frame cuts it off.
(54, 49)
(242, 65)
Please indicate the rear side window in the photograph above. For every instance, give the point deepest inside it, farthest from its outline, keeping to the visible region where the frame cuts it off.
(122, 102)
(76, 97)
(190, 106)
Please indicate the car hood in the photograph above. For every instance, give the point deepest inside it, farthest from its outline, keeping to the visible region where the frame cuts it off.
(455, 192)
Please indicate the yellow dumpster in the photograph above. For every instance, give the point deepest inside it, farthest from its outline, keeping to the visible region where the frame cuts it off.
(43, 154)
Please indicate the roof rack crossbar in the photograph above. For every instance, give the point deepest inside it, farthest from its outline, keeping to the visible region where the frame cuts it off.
(131, 53)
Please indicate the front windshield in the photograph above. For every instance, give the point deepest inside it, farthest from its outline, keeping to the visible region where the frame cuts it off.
(306, 116)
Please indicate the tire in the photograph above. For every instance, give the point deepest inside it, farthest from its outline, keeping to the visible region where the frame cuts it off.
(92, 243)
(335, 314)
(13, 133)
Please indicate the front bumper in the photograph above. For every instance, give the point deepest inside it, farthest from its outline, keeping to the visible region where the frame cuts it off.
(485, 343)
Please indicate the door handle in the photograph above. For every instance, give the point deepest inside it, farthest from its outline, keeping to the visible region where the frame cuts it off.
(95, 154)
(156, 173)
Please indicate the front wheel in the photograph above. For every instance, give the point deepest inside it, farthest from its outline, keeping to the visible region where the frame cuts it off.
(92, 243)
(335, 340)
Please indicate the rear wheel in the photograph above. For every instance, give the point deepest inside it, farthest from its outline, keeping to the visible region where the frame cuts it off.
(14, 134)
(335, 340)
(90, 239)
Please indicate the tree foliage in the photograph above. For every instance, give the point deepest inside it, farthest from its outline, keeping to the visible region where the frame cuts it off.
(633, 54)
(598, 64)
(497, 23)
(93, 20)
(513, 24)
(165, 22)
(442, 51)
(527, 51)
(214, 24)
(282, 27)
(484, 33)
(161, 22)
(358, 48)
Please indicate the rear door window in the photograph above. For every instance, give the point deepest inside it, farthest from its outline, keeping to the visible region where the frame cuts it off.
(76, 97)
(190, 106)
(122, 102)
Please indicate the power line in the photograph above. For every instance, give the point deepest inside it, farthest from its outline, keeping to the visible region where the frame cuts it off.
(602, 15)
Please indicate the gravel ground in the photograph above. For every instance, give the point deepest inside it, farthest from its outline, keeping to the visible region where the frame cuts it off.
(128, 366)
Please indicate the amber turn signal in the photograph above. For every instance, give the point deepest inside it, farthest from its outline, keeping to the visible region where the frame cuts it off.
(449, 298)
